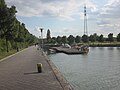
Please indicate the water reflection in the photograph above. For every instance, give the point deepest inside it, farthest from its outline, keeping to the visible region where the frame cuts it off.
(101, 48)
(111, 48)
(118, 48)
(92, 48)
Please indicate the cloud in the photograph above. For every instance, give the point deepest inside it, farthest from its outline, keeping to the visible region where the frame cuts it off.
(111, 10)
(109, 16)
(62, 9)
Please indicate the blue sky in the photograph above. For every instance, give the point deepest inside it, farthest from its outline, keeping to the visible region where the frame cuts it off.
(65, 17)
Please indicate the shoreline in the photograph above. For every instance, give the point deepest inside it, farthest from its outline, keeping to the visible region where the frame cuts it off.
(104, 45)
(59, 76)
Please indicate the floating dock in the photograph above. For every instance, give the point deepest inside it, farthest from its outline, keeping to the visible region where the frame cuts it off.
(68, 50)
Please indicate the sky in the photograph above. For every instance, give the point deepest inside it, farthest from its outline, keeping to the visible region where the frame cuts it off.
(66, 17)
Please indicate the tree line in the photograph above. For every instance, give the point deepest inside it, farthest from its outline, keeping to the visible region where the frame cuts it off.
(81, 39)
(13, 33)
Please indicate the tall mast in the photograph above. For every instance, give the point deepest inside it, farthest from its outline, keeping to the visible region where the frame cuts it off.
(85, 21)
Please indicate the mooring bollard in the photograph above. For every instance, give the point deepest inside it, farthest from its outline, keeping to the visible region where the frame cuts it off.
(39, 67)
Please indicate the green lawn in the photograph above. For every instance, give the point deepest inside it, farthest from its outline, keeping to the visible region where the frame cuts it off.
(5, 54)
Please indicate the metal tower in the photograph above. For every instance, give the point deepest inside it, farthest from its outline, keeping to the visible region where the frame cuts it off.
(85, 21)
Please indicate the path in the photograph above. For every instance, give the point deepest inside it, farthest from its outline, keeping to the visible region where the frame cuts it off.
(19, 72)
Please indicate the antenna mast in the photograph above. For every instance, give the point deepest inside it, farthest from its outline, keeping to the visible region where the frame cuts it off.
(85, 21)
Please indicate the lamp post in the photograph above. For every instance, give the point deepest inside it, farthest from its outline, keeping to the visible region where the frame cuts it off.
(39, 43)
(41, 29)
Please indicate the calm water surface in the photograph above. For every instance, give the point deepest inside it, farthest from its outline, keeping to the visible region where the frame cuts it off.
(98, 70)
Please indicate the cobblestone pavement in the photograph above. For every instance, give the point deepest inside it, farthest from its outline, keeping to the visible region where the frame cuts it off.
(19, 72)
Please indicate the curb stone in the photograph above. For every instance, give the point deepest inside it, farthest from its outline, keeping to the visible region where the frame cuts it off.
(63, 82)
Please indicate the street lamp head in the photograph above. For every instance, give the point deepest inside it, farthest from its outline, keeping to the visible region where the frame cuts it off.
(41, 30)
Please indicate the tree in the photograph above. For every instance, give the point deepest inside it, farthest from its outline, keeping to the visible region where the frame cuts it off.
(53, 40)
(7, 23)
(48, 36)
(11, 31)
(96, 37)
(110, 37)
(77, 39)
(3, 17)
(85, 38)
(3, 14)
(118, 37)
(2, 2)
(64, 39)
(101, 38)
(59, 39)
(71, 39)
(92, 38)
(7, 19)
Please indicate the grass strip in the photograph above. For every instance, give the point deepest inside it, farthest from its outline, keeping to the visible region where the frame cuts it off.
(5, 54)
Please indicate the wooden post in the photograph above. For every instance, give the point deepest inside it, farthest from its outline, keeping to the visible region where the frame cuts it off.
(39, 67)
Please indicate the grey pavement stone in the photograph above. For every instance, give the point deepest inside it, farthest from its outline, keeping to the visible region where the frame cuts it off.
(19, 72)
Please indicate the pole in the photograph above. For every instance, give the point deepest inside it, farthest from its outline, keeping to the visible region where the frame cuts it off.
(39, 43)
(84, 18)
(39, 67)
(41, 29)
(85, 21)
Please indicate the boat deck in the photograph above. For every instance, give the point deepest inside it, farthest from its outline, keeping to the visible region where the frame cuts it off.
(68, 50)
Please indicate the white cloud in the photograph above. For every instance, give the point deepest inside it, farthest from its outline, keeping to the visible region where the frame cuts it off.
(62, 9)
(67, 31)
(109, 17)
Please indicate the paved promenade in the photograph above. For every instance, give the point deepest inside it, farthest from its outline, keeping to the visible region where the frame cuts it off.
(19, 72)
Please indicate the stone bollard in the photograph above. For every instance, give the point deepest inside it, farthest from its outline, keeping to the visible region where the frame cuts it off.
(39, 67)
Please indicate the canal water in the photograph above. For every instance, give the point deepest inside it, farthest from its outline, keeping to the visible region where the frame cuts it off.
(98, 70)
